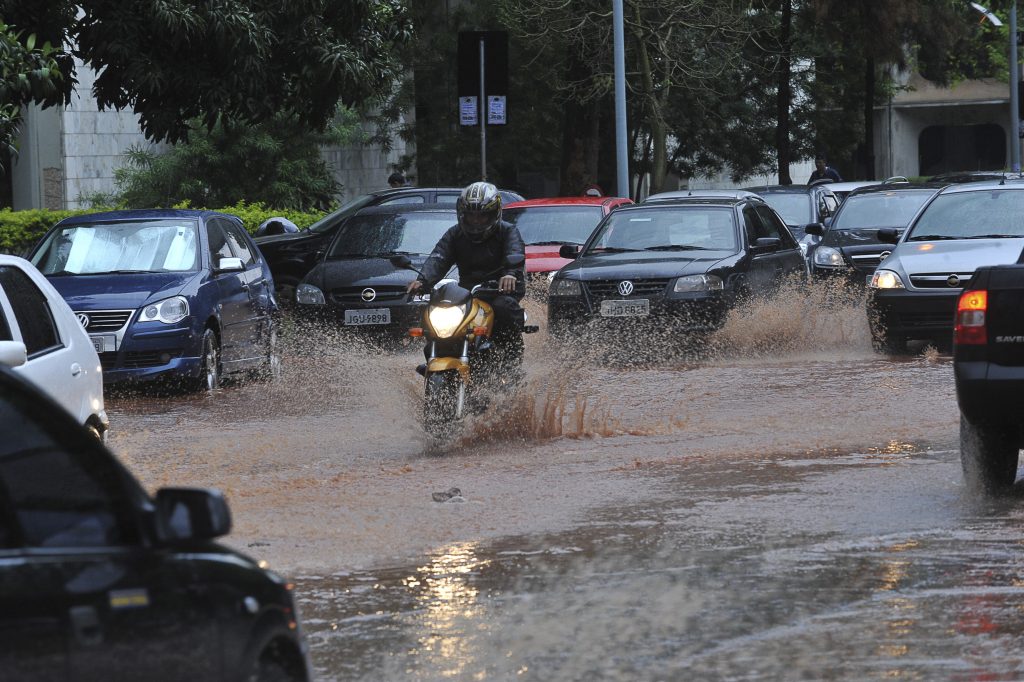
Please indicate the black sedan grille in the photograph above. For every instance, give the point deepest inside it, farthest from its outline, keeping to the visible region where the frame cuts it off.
(105, 320)
(866, 261)
(344, 295)
(642, 288)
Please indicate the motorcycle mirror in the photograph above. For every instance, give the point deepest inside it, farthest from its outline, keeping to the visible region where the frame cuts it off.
(401, 262)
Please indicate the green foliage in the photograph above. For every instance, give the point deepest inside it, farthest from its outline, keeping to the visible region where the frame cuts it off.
(29, 72)
(20, 230)
(277, 163)
(247, 61)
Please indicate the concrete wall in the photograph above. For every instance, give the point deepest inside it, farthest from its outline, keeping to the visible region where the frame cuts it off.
(360, 169)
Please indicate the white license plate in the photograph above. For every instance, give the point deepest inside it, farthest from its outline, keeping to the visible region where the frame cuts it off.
(104, 343)
(368, 316)
(635, 308)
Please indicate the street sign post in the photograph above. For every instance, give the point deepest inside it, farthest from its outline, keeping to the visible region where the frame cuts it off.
(483, 83)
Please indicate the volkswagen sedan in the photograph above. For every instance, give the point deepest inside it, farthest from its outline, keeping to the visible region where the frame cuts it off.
(684, 262)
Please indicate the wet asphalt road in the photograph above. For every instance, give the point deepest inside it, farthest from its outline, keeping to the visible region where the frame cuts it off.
(796, 514)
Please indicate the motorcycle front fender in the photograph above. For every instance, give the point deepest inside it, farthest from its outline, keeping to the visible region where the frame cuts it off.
(446, 364)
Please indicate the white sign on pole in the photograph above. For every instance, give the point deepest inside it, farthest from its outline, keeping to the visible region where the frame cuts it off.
(467, 111)
(496, 110)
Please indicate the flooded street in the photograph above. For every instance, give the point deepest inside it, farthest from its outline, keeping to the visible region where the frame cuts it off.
(788, 506)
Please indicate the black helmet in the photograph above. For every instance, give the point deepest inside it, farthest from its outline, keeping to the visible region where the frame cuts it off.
(479, 209)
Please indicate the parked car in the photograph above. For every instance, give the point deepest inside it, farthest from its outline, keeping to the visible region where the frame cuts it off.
(684, 262)
(800, 206)
(292, 256)
(100, 581)
(849, 246)
(988, 363)
(45, 343)
(165, 293)
(355, 284)
(547, 224)
(913, 293)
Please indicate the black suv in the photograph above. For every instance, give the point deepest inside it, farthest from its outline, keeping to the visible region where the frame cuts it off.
(800, 205)
(291, 256)
(98, 581)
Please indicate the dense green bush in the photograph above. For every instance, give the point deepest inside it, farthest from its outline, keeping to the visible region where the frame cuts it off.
(20, 230)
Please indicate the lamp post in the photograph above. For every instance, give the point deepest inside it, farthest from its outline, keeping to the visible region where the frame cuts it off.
(1015, 129)
(621, 150)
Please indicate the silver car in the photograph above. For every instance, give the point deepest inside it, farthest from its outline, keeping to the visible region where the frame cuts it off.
(913, 293)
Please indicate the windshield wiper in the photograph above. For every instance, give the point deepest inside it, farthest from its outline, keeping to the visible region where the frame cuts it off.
(399, 253)
(550, 243)
(995, 236)
(678, 247)
(931, 238)
(612, 249)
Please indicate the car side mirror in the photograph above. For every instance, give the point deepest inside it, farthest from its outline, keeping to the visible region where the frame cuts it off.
(230, 265)
(13, 353)
(767, 243)
(401, 262)
(569, 251)
(191, 514)
(889, 235)
(817, 229)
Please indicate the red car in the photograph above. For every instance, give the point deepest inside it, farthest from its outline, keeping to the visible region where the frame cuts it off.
(546, 224)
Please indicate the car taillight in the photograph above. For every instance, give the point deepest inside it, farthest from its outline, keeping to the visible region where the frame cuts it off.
(970, 318)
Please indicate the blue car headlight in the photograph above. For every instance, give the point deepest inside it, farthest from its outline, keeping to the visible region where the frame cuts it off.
(168, 311)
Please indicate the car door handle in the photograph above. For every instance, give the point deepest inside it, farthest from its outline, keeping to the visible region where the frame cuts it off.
(85, 623)
(76, 369)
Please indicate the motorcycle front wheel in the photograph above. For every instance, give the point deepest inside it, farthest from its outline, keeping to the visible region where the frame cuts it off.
(441, 403)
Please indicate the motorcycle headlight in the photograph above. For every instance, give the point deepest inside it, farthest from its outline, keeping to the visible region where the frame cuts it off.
(564, 287)
(168, 311)
(827, 257)
(886, 279)
(307, 294)
(698, 283)
(445, 320)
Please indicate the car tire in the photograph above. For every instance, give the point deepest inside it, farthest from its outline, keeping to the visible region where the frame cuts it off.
(271, 369)
(989, 455)
(273, 659)
(209, 363)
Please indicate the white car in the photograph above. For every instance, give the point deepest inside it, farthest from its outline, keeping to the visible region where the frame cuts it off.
(43, 340)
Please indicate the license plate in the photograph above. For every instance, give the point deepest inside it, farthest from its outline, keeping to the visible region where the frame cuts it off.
(104, 343)
(635, 308)
(368, 316)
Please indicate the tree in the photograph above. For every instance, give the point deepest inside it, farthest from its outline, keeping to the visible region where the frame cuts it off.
(27, 73)
(243, 61)
(282, 162)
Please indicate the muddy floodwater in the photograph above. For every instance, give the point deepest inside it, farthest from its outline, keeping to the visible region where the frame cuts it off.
(776, 502)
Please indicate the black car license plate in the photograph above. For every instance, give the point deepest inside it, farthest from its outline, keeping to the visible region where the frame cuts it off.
(639, 307)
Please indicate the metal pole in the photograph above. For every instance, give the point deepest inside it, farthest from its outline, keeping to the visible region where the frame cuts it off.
(1014, 92)
(483, 117)
(621, 151)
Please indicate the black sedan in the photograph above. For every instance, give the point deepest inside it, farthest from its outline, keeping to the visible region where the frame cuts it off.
(292, 256)
(100, 581)
(685, 261)
(355, 284)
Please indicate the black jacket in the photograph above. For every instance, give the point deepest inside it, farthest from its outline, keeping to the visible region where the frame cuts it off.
(477, 262)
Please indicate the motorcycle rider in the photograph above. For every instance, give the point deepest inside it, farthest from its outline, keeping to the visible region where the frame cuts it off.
(480, 244)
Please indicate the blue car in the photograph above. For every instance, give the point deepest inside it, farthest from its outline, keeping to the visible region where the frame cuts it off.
(176, 294)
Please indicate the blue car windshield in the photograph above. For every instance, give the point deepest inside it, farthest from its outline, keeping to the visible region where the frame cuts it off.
(880, 209)
(979, 214)
(681, 228)
(100, 248)
(386, 234)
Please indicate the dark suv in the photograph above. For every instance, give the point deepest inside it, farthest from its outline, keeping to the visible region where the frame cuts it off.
(800, 205)
(99, 581)
(292, 256)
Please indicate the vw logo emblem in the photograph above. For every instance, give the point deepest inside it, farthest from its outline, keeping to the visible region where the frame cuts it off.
(369, 294)
(953, 281)
(625, 288)
(83, 319)
(885, 254)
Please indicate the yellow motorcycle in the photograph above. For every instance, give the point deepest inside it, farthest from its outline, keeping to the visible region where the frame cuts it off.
(462, 360)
